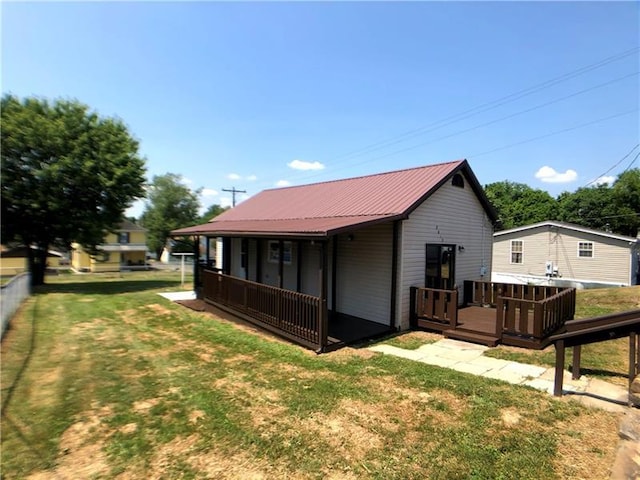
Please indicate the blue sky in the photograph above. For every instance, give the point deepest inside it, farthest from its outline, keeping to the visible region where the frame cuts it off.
(258, 95)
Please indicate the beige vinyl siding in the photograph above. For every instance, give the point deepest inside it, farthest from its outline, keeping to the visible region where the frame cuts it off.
(611, 261)
(363, 273)
(451, 215)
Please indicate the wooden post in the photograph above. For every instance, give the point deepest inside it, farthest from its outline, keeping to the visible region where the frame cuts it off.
(559, 374)
(413, 314)
(280, 263)
(633, 371)
(334, 274)
(394, 275)
(323, 323)
(575, 368)
(499, 317)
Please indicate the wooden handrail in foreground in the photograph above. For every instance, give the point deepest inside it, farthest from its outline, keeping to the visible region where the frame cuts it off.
(593, 330)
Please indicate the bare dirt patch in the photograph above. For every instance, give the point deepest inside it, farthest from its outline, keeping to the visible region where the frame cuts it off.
(81, 452)
(159, 309)
(143, 406)
(347, 353)
(584, 449)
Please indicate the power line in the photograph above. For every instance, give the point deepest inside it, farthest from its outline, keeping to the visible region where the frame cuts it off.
(475, 127)
(631, 162)
(557, 132)
(617, 163)
(488, 105)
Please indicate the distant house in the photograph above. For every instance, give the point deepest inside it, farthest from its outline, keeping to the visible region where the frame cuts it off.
(315, 261)
(14, 260)
(125, 248)
(557, 253)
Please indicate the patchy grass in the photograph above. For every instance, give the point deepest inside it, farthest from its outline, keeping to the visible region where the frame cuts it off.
(606, 360)
(412, 340)
(128, 385)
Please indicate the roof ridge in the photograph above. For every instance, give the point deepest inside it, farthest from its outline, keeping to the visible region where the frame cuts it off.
(309, 218)
(365, 176)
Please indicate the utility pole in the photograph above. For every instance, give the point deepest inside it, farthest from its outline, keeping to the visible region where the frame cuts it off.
(233, 194)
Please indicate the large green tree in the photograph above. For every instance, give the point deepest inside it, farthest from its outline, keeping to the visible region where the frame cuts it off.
(591, 207)
(212, 212)
(626, 196)
(68, 175)
(518, 204)
(170, 205)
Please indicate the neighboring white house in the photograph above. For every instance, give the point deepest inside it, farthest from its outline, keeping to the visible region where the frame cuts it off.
(366, 239)
(557, 253)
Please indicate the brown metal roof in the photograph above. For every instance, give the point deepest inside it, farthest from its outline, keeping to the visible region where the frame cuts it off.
(326, 208)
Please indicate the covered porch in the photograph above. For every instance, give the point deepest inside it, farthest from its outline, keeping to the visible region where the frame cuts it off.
(301, 318)
(495, 313)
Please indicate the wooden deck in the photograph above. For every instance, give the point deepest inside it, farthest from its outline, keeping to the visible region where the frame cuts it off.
(475, 324)
(519, 315)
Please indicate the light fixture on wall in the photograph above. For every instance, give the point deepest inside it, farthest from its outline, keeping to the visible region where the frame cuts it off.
(350, 237)
(460, 248)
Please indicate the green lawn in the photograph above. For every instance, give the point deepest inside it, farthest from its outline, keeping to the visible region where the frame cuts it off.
(102, 377)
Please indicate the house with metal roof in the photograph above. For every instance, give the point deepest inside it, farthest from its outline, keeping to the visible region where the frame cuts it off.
(333, 262)
(557, 253)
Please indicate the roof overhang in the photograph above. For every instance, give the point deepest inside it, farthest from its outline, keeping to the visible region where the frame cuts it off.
(295, 228)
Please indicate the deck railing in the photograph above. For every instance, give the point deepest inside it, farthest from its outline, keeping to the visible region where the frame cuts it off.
(487, 293)
(434, 305)
(297, 316)
(534, 319)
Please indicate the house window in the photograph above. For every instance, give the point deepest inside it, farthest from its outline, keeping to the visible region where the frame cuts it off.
(457, 181)
(123, 237)
(244, 252)
(517, 249)
(274, 252)
(585, 249)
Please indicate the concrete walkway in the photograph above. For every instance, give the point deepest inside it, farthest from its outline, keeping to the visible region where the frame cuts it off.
(469, 358)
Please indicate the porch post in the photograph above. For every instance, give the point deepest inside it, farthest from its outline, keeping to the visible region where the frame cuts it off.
(226, 255)
(196, 263)
(323, 321)
(334, 274)
(208, 244)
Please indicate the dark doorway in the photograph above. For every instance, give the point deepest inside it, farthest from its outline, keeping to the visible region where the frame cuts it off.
(440, 266)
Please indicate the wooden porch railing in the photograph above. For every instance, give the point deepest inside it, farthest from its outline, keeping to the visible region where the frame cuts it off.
(487, 293)
(299, 317)
(534, 320)
(434, 308)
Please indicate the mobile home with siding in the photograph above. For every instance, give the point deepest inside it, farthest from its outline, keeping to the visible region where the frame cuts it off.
(557, 253)
(349, 248)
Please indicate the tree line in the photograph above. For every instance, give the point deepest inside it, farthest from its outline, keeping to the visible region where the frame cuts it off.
(68, 176)
(614, 208)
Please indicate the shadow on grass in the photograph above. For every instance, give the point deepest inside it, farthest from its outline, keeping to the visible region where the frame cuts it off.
(107, 288)
(596, 372)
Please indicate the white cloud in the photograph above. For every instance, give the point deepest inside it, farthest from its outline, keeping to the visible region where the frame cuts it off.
(283, 183)
(225, 202)
(186, 181)
(304, 165)
(602, 180)
(209, 192)
(233, 176)
(549, 175)
(252, 178)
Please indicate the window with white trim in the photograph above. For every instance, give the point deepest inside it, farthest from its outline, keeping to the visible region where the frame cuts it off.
(517, 249)
(585, 249)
